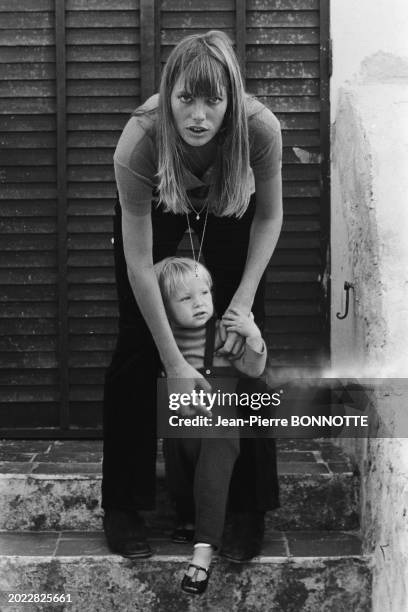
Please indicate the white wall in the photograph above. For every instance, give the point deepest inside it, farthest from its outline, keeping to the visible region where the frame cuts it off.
(361, 29)
(369, 247)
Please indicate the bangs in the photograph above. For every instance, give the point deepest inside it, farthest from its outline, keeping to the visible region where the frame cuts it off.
(204, 76)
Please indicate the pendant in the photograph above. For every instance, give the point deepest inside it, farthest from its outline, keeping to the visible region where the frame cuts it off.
(198, 217)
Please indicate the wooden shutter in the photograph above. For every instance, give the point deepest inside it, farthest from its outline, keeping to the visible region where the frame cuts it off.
(72, 72)
(29, 374)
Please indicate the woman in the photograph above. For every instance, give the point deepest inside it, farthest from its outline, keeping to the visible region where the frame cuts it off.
(211, 157)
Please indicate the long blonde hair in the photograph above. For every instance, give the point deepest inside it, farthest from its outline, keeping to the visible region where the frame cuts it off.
(206, 62)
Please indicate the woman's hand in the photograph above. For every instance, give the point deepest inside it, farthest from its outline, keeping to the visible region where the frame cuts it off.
(233, 343)
(184, 379)
(235, 320)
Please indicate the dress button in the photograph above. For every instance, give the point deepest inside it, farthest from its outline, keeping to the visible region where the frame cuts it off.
(208, 371)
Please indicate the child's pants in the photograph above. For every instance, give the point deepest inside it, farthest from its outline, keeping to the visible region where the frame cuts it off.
(198, 474)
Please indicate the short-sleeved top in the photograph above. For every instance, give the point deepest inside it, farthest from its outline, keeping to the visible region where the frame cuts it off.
(136, 154)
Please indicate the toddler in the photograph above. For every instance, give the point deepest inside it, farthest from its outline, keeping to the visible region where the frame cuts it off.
(199, 470)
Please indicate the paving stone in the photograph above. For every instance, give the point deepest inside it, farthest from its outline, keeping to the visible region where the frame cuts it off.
(67, 468)
(65, 456)
(16, 467)
(285, 456)
(9, 455)
(66, 495)
(300, 467)
(99, 582)
(25, 446)
(28, 544)
(323, 544)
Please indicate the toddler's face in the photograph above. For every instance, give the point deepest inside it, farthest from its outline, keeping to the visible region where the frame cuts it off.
(191, 305)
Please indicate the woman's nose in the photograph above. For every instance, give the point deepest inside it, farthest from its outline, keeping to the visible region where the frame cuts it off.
(198, 111)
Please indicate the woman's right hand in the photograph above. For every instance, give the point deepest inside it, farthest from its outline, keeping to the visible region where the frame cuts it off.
(182, 379)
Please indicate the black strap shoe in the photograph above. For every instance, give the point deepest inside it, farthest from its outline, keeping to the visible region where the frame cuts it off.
(191, 585)
(243, 536)
(125, 534)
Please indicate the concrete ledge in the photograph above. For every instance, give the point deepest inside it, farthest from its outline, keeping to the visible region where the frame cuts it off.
(59, 488)
(79, 565)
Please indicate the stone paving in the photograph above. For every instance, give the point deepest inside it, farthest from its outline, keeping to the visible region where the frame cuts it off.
(276, 544)
(46, 457)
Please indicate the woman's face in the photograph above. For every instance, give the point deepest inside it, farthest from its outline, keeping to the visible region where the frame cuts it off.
(197, 119)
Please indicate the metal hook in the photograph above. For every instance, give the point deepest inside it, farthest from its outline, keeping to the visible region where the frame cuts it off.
(347, 287)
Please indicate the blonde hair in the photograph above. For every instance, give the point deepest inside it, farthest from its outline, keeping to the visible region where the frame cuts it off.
(172, 272)
(206, 62)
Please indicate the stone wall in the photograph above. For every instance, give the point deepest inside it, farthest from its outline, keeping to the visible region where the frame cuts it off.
(370, 249)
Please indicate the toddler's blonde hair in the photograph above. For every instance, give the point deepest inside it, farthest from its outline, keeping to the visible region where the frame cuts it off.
(172, 272)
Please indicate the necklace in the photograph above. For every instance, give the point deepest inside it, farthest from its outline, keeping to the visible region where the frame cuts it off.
(196, 212)
(197, 261)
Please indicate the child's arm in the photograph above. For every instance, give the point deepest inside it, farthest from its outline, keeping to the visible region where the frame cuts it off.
(253, 360)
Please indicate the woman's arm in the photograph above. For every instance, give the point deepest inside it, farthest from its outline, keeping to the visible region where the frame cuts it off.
(137, 242)
(264, 233)
(265, 230)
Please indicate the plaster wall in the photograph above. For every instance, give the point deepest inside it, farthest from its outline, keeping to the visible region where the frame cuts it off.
(360, 30)
(370, 249)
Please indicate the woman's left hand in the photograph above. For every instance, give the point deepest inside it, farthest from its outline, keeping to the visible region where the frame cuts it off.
(233, 343)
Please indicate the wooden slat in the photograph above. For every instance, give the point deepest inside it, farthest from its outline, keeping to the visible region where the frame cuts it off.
(13, 377)
(34, 37)
(208, 20)
(36, 106)
(102, 5)
(102, 19)
(33, 140)
(101, 53)
(260, 36)
(280, 70)
(27, 174)
(28, 310)
(104, 122)
(103, 87)
(38, 394)
(28, 344)
(283, 19)
(27, 5)
(93, 293)
(34, 359)
(283, 5)
(24, 327)
(282, 87)
(34, 70)
(105, 36)
(26, 20)
(27, 123)
(102, 105)
(193, 5)
(291, 104)
(282, 53)
(27, 242)
(27, 158)
(28, 293)
(103, 70)
(94, 140)
(24, 277)
(44, 259)
(27, 54)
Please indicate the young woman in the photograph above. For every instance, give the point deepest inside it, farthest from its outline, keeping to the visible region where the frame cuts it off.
(204, 156)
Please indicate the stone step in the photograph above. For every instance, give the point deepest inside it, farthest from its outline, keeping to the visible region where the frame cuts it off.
(296, 572)
(56, 485)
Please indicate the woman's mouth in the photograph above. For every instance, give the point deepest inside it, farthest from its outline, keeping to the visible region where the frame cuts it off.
(197, 130)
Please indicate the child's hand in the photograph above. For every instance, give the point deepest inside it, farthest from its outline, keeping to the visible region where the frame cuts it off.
(237, 321)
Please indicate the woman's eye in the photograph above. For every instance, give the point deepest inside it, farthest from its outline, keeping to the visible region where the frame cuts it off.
(185, 298)
(185, 98)
(215, 100)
